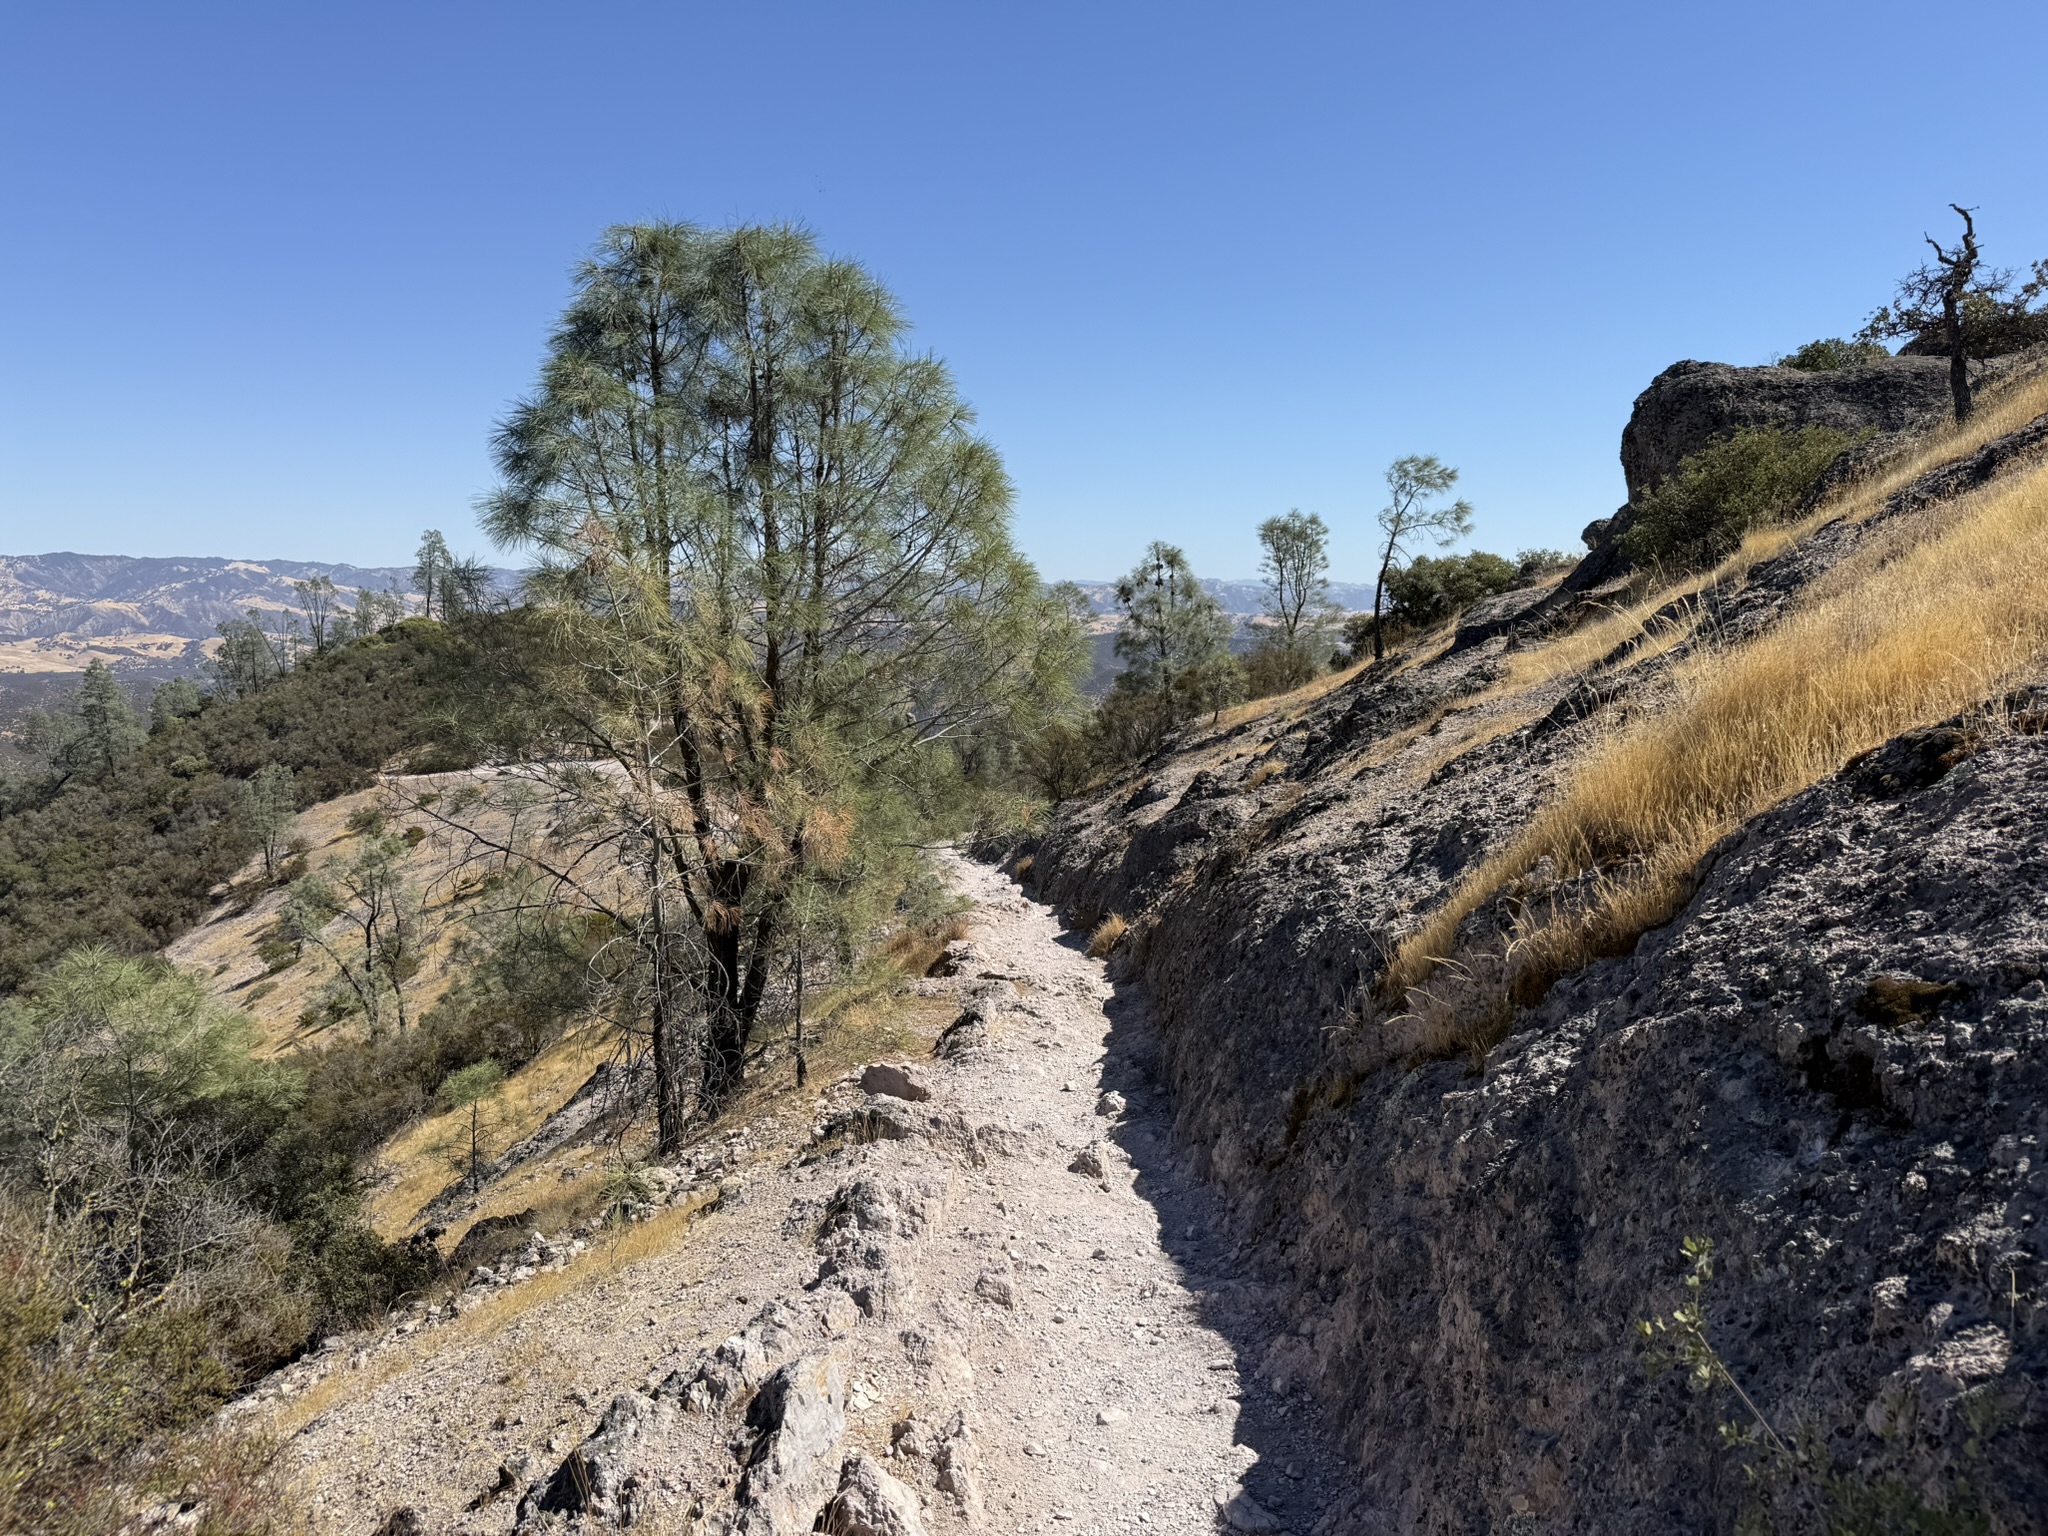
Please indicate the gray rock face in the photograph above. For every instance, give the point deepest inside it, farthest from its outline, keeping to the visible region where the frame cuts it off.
(799, 1417)
(1690, 405)
(740, 1364)
(600, 1478)
(865, 1229)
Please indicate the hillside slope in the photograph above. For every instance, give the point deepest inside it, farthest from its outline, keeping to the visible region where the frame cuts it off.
(151, 616)
(1492, 974)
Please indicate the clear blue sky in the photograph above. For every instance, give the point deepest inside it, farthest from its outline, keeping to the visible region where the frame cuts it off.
(271, 270)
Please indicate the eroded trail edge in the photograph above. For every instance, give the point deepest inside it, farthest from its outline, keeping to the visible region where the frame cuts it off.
(981, 1293)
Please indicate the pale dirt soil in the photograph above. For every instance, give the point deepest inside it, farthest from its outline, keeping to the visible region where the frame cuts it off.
(1121, 1305)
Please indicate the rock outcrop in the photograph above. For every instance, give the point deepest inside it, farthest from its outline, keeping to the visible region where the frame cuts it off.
(1692, 404)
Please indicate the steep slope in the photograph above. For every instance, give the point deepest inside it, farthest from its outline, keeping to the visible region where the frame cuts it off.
(1801, 1014)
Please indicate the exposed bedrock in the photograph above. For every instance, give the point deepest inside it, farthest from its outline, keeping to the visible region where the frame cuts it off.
(1833, 1064)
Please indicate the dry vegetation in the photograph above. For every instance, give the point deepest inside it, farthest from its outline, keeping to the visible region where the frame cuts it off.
(1107, 935)
(1902, 638)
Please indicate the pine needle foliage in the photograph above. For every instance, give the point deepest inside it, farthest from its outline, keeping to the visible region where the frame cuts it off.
(777, 606)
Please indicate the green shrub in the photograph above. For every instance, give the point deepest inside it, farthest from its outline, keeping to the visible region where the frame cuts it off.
(1429, 589)
(1832, 352)
(1533, 565)
(1700, 513)
(1274, 665)
(366, 821)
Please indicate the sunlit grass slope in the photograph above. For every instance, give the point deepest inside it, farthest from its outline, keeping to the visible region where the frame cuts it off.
(1903, 639)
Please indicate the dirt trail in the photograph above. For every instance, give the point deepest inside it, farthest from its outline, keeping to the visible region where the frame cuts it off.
(1124, 1301)
(1006, 1294)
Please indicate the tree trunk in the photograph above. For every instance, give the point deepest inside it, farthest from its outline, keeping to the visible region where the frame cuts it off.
(670, 1111)
(1379, 590)
(1958, 354)
(670, 1116)
(725, 1030)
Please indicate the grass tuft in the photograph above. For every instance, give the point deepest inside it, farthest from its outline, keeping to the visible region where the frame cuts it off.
(1107, 935)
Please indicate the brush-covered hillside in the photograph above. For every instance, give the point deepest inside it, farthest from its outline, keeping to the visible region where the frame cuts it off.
(1618, 1019)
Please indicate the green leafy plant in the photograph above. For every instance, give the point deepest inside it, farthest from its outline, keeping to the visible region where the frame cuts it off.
(1756, 477)
(1679, 1342)
(1831, 353)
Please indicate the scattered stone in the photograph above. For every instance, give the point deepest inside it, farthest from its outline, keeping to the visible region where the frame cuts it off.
(897, 1082)
(1108, 1416)
(996, 1286)
(1088, 1163)
(1110, 1105)
(512, 1472)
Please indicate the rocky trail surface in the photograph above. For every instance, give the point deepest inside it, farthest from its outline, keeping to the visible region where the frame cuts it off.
(977, 1292)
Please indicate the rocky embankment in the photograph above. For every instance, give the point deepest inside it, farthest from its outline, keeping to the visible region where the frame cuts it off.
(1833, 1064)
(974, 1290)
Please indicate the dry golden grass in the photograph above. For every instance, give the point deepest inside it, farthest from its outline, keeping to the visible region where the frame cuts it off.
(1290, 704)
(1638, 623)
(914, 951)
(419, 1162)
(1926, 633)
(1107, 935)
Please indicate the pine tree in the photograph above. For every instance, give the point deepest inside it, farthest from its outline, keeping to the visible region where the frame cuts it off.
(431, 565)
(1175, 640)
(108, 728)
(779, 601)
(1408, 516)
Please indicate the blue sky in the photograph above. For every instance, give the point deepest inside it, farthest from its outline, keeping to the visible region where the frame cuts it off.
(271, 270)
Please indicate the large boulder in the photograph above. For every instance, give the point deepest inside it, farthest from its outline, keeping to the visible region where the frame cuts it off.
(797, 1417)
(1690, 405)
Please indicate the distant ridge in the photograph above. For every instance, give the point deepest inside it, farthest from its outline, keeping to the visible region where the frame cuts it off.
(138, 613)
(1241, 597)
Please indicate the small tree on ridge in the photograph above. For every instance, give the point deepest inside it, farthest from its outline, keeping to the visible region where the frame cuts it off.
(1408, 516)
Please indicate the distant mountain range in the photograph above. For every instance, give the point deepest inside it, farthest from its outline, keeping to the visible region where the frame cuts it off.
(1243, 598)
(60, 611)
(154, 617)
